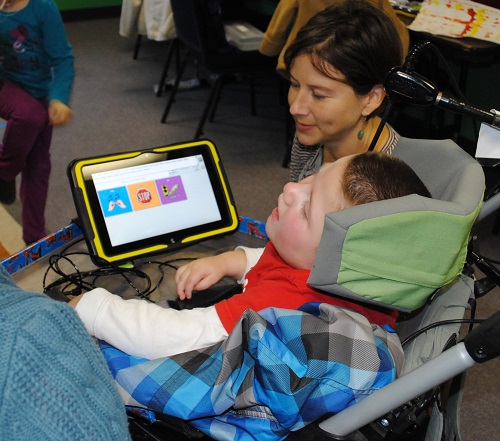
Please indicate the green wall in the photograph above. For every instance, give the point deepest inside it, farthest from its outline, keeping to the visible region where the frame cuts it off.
(82, 4)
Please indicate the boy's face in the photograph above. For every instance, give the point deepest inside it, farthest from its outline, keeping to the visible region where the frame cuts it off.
(296, 225)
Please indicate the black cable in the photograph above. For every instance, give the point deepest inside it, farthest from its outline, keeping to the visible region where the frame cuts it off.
(453, 82)
(436, 324)
(381, 126)
(409, 66)
(489, 259)
(74, 283)
(80, 279)
(451, 77)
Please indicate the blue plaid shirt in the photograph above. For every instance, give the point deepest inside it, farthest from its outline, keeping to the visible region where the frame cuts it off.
(276, 372)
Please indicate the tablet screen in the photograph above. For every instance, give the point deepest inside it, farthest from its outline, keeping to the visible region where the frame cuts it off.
(137, 203)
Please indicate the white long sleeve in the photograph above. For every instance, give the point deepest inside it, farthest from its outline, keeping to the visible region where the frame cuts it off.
(252, 255)
(145, 329)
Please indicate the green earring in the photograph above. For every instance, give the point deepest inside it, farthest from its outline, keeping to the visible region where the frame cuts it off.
(361, 133)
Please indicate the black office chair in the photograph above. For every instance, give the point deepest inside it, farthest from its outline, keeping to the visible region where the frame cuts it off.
(173, 50)
(201, 32)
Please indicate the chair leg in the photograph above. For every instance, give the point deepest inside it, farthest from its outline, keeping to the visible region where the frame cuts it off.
(215, 97)
(138, 42)
(215, 92)
(171, 98)
(173, 46)
(252, 94)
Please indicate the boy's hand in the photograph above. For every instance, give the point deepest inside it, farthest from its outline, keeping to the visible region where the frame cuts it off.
(198, 275)
(59, 113)
(203, 273)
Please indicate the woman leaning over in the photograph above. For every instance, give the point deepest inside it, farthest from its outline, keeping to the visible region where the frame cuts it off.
(336, 67)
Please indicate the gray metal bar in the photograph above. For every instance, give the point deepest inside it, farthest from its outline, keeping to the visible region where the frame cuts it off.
(438, 370)
(489, 207)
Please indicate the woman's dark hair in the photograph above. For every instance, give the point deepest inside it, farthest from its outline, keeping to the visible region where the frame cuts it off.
(372, 176)
(355, 38)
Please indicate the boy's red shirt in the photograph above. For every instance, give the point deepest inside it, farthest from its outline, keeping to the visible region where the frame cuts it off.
(274, 283)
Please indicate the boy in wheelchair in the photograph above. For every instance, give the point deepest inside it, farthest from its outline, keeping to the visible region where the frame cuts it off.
(352, 342)
(279, 279)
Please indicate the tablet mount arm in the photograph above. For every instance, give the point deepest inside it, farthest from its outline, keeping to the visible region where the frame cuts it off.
(403, 84)
(413, 88)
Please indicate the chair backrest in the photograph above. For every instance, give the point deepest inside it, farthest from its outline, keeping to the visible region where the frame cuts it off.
(199, 27)
(396, 253)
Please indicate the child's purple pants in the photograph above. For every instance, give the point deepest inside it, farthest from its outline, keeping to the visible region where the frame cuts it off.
(25, 150)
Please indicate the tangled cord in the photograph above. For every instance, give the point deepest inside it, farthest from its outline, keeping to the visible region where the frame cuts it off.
(78, 281)
(439, 324)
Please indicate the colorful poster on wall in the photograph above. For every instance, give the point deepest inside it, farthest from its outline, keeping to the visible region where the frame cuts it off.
(458, 18)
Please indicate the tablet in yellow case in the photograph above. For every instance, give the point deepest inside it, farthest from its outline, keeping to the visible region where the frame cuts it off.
(150, 201)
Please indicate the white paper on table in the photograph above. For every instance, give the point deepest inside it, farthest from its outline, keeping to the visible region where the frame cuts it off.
(488, 144)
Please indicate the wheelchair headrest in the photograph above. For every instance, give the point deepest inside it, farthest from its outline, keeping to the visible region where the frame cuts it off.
(396, 253)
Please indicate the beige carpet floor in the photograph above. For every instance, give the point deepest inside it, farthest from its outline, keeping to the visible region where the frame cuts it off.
(10, 234)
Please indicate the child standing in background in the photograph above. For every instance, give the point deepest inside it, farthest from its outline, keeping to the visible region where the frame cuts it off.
(36, 76)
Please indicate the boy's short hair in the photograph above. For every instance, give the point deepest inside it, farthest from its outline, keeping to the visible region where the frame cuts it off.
(371, 177)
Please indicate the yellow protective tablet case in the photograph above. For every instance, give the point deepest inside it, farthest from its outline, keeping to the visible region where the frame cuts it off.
(88, 212)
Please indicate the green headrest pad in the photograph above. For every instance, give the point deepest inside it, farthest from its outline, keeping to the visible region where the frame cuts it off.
(395, 260)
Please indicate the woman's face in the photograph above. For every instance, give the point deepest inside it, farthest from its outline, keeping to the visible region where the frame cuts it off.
(326, 111)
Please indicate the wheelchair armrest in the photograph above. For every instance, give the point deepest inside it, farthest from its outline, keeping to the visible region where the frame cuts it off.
(483, 342)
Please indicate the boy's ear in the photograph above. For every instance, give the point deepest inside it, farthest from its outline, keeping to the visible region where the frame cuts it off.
(374, 99)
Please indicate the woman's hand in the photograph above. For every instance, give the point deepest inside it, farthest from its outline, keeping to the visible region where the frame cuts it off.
(59, 113)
